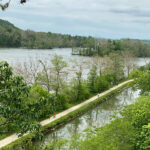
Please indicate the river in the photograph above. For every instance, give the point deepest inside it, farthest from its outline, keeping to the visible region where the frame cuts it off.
(98, 116)
(18, 56)
(12, 55)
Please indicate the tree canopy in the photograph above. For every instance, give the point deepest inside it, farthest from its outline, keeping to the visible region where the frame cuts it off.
(14, 108)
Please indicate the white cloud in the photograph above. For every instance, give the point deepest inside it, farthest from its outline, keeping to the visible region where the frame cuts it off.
(104, 18)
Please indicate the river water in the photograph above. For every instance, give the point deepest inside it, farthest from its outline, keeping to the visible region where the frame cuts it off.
(15, 57)
(12, 55)
(98, 116)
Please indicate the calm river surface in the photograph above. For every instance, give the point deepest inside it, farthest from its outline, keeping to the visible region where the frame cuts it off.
(21, 55)
(98, 116)
(18, 56)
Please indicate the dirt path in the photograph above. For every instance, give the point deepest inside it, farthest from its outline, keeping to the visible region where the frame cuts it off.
(14, 137)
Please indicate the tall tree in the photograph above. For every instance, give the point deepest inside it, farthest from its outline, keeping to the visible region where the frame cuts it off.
(114, 66)
(92, 76)
(44, 77)
(129, 61)
(14, 107)
(58, 71)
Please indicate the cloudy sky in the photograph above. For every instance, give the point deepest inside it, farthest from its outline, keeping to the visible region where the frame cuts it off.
(100, 18)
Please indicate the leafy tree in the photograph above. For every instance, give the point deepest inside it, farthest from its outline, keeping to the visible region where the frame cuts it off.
(58, 70)
(114, 66)
(92, 79)
(143, 82)
(129, 61)
(103, 83)
(135, 74)
(13, 98)
(117, 67)
(143, 140)
(44, 77)
(79, 88)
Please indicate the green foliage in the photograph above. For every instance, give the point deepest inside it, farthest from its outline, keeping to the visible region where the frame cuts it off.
(58, 70)
(61, 102)
(79, 91)
(92, 77)
(38, 92)
(55, 146)
(143, 82)
(102, 83)
(143, 140)
(135, 74)
(14, 108)
(10, 36)
(105, 47)
(115, 67)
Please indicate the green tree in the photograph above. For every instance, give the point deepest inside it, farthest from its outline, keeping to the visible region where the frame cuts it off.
(58, 71)
(116, 67)
(44, 77)
(92, 76)
(13, 99)
(143, 82)
(143, 140)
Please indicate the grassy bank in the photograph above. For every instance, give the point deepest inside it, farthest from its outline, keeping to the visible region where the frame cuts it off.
(27, 140)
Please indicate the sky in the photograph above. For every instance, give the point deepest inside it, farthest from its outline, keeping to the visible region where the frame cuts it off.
(113, 19)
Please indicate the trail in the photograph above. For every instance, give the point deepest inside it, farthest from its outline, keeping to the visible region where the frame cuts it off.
(14, 137)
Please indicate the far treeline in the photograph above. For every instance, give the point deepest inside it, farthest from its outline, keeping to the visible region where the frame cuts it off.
(103, 47)
(11, 36)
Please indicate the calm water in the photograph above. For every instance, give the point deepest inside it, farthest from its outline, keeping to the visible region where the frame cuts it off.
(21, 55)
(97, 116)
(18, 56)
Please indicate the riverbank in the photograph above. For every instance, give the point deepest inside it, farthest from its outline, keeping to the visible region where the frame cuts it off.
(61, 118)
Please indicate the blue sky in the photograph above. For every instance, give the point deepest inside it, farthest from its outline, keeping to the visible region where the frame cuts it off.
(100, 18)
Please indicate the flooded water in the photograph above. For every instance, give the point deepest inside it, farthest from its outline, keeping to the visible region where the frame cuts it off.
(98, 116)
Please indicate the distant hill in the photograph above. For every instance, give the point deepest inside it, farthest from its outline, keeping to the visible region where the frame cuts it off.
(4, 23)
(11, 36)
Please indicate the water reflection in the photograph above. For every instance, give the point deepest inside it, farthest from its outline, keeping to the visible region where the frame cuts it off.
(97, 116)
